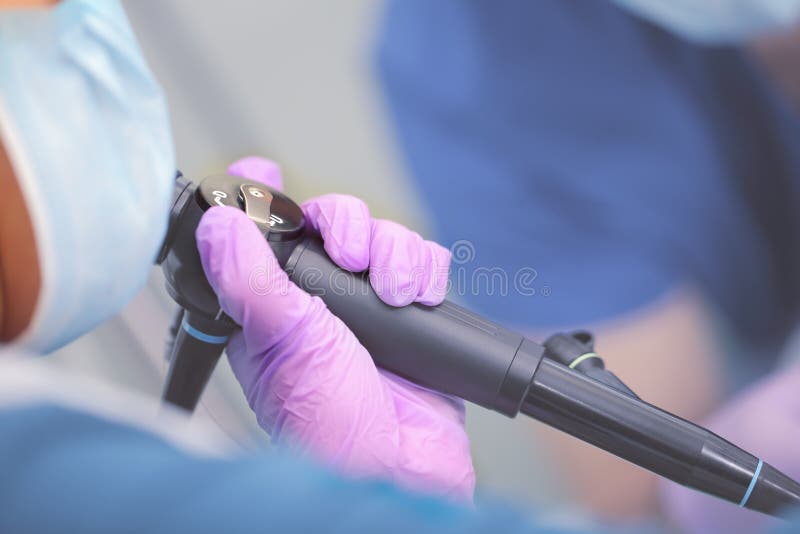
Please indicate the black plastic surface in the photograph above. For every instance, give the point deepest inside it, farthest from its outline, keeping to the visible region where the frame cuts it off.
(286, 222)
(774, 493)
(654, 439)
(567, 348)
(192, 361)
(447, 347)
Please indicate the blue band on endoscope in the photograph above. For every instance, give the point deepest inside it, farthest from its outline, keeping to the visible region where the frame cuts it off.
(202, 336)
(752, 484)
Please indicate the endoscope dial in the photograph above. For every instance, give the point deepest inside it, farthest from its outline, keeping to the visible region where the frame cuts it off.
(274, 212)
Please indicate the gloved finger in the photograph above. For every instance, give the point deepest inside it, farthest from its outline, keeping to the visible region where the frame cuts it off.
(404, 268)
(345, 225)
(241, 268)
(259, 169)
(434, 292)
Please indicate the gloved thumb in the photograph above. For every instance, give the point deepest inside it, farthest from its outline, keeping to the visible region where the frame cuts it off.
(244, 273)
(259, 169)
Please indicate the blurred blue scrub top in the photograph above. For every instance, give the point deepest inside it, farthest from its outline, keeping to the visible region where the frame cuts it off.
(615, 160)
(68, 471)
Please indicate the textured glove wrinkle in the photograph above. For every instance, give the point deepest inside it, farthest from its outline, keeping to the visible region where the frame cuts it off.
(424, 429)
(432, 401)
(325, 395)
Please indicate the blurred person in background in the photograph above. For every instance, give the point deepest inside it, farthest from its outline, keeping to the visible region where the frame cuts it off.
(640, 161)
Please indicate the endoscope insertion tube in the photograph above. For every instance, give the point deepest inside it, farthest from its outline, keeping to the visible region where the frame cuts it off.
(656, 440)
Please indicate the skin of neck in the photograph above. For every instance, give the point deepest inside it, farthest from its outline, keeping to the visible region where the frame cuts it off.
(20, 277)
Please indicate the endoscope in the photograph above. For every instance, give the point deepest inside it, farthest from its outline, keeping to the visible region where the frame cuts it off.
(448, 348)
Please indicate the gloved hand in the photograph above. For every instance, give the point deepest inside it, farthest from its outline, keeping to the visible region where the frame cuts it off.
(764, 420)
(308, 379)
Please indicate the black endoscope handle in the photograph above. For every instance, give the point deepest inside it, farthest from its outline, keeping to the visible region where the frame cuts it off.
(445, 347)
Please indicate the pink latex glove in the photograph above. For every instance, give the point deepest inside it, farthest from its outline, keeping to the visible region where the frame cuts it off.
(308, 379)
(765, 421)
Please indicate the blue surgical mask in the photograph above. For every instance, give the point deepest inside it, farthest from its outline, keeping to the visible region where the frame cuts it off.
(717, 21)
(86, 128)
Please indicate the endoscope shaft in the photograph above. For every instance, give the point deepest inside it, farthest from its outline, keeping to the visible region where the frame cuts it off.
(656, 440)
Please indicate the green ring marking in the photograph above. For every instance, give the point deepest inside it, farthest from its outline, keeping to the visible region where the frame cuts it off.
(582, 358)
